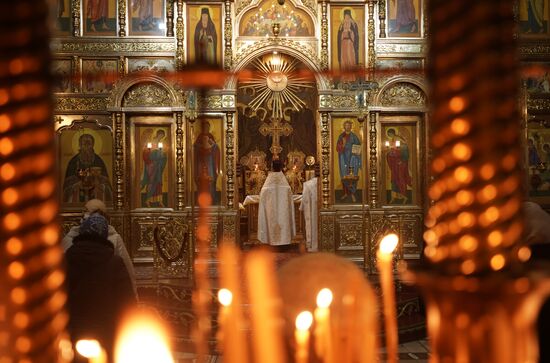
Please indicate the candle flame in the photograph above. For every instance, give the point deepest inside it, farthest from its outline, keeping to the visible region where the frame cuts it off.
(149, 145)
(304, 320)
(388, 243)
(225, 297)
(88, 348)
(142, 340)
(160, 145)
(324, 298)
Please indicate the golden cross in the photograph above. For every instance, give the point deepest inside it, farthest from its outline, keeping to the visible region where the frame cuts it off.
(276, 129)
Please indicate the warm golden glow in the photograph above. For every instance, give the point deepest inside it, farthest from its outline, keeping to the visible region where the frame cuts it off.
(463, 174)
(460, 126)
(438, 165)
(142, 340)
(487, 171)
(16, 270)
(464, 197)
(7, 172)
(468, 267)
(12, 221)
(225, 297)
(466, 219)
(524, 253)
(88, 348)
(304, 320)
(495, 238)
(14, 246)
(324, 298)
(388, 243)
(457, 104)
(468, 243)
(10, 196)
(430, 237)
(488, 193)
(461, 151)
(6, 146)
(497, 262)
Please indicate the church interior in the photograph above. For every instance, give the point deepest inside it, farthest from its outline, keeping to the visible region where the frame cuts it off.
(267, 150)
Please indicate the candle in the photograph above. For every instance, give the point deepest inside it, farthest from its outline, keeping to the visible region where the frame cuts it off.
(225, 297)
(397, 143)
(385, 268)
(160, 145)
(149, 145)
(91, 349)
(303, 322)
(322, 332)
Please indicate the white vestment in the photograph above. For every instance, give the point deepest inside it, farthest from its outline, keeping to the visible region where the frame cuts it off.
(276, 211)
(309, 207)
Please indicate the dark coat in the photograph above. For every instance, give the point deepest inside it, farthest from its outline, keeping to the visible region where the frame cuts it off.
(99, 289)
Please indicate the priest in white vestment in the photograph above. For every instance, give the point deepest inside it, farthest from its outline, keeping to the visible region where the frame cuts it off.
(276, 210)
(309, 208)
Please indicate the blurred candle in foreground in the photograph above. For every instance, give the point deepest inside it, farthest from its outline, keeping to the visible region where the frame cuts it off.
(225, 297)
(303, 323)
(91, 349)
(142, 339)
(323, 329)
(385, 267)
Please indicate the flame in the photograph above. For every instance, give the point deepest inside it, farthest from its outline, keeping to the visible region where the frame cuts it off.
(88, 348)
(388, 243)
(324, 298)
(225, 297)
(142, 340)
(304, 320)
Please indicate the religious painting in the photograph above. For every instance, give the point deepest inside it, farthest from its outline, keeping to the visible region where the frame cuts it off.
(389, 67)
(399, 163)
(153, 162)
(293, 22)
(536, 78)
(533, 18)
(349, 161)
(147, 17)
(538, 163)
(207, 156)
(60, 17)
(62, 74)
(155, 65)
(347, 41)
(86, 163)
(404, 18)
(204, 27)
(98, 75)
(100, 17)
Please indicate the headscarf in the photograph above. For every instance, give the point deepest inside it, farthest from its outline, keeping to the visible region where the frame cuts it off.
(95, 225)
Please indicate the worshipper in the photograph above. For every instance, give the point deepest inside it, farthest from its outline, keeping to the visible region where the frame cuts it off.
(309, 207)
(98, 285)
(276, 210)
(96, 206)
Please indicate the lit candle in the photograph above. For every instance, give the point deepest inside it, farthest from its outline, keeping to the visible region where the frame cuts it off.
(387, 143)
(397, 143)
(303, 322)
(91, 349)
(322, 332)
(149, 145)
(385, 268)
(225, 297)
(160, 145)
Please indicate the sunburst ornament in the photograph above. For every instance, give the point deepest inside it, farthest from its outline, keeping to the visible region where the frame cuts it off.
(276, 83)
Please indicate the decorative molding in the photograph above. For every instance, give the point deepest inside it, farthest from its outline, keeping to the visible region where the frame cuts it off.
(121, 88)
(538, 104)
(229, 234)
(325, 160)
(75, 66)
(210, 102)
(75, 7)
(324, 36)
(242, 5)
(534, 49)
(180, 37)
(119, 161)
(312, 6)
(170, 18)
(381, 16)
(346, 101)
(143, 237)
(350, 233)
(373, 161)
(380, 225)
(410, 233)
(230, 158)
(122, 18)
(389, 48)
(228, 25)
(170, 250)
(180, 164)
(371, 55)
(121, 67)
(327, 239)
(125, 46)
(80, 104)
(403, 94)
(149, 94)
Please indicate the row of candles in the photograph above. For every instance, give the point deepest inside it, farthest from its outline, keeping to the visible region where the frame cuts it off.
(150, 145)
(266, 311)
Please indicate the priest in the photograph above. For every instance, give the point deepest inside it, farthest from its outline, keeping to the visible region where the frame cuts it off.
(276, 210)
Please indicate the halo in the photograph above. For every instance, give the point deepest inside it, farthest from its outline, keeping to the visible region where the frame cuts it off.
(391, 128)
(199, 11)
(352, 10)
(98, 141)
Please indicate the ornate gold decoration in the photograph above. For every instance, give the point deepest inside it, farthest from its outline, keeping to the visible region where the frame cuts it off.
(381, 16)
(325, 160)
(170, 18)
(538, 104)
(143, 237)
(373, 161)
(403, 94)
(534, 49)
(171, 248)
(121, 67)
(389, 48)
(210, 102)
(275, 129)
(119, 162)
(324, 36)
(75, 6)
(122, 18)
(230, 228)
(230, 158)
(242, 4)
(91, 104)
(344, 101)
(149, 94)
(180, 165)
(326, 242)
(380, 225)
(180, 37)
(411, 230)
(371, 56)
(312, 6)
(75, 66)
(119, 46)
(228, 25)
(351, 232)
(228, 101)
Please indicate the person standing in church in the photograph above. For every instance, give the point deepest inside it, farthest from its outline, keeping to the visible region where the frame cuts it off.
(348, 147)
(348, 45)
(276, 225)
(207, 160)
(309, 207)
(206, 39)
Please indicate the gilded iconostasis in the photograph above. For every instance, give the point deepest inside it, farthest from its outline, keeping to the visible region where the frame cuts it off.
(332, 89)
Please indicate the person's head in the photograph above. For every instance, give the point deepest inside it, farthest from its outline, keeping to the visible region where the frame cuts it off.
(277, 165)
(86, 143)
(205, 16)
(347, 15)
(347, 126)
(95, 226)
(205, 127)
(160, 135)
(391, 133)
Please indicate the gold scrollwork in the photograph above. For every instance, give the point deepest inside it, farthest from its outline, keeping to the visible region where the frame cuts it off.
(325, 159)
(148, 94)
(230, 158)
(381, 16)
(371, 37)
(180, 35)
(327, 233)
(344, 102)
(228, 53)
(123, 46)
(171, 247)
(119, 162)
(170, 18)
(324, 36)
(538, 104)
(403, 94)
(121, 18)
(230, 228)
(93, 104)
(350, 234)
(180, 165)
(242, 4)
(75, 7)
(373, 162)
(211, 102)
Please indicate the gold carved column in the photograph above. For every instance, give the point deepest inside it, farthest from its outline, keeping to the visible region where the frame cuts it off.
(373, 161)
(381, 16)
(180, 34)
(228, 38)
(122, 18)
(75, 73)
(170, 18)
(119, 161)
(324, 36)
(180, 165)
(75, 10)
(325, 160)
(370, 38)
(230, 158)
